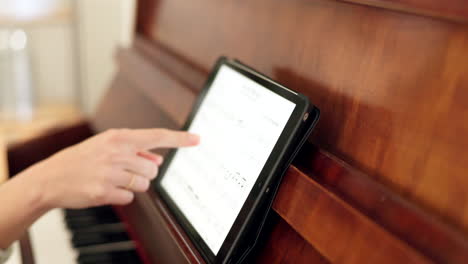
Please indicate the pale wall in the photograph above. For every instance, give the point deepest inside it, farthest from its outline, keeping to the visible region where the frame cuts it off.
(103, 26)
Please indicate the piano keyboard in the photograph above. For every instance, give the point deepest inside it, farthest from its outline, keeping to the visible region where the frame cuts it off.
(100, 237)
(87, 236)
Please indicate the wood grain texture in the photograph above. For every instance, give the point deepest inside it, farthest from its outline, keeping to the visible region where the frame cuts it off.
(121, 101)
(284, 245)
(454, 10)
(392, 86)
(158, 235)
(418, 228)
(351, 191)
(342, 229)
(171, 96)
(338, 231)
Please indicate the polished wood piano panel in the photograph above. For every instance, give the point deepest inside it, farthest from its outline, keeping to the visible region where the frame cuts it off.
(382, 179)
(391, 86)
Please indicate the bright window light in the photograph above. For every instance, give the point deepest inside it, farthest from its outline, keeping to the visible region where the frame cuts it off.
(29, 9)
(18, 40)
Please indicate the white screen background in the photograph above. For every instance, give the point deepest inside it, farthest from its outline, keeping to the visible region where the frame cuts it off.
(239, 123)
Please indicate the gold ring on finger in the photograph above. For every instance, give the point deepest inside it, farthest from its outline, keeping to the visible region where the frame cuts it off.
(130, 184)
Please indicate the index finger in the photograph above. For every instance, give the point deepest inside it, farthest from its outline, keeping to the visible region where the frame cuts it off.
(161, 138)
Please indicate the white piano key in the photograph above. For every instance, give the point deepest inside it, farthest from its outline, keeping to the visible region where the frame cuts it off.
(50, 240)
(15, 257)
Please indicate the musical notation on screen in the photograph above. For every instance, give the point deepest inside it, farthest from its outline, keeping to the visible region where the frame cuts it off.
(239, 122)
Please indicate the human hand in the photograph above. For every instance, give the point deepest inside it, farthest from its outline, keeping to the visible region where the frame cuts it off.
(105, 169)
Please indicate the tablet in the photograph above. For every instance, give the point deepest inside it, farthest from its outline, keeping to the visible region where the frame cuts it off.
(220, 191)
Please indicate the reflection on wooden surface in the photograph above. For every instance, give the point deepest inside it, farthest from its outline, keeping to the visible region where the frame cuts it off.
(392, 86)
(454, 10)
(382, 179)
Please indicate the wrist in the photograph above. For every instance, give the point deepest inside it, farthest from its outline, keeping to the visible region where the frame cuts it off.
(36, 192)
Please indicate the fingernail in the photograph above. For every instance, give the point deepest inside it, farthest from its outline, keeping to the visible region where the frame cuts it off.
(194, 139)
(160, 160)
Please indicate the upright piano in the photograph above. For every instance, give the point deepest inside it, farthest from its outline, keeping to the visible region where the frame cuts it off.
(382, 179)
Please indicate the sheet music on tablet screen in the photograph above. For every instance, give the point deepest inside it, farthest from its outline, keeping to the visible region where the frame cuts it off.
(239, 123)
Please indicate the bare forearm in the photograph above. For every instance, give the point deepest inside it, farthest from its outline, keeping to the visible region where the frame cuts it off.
(105, 169)
(21, 204)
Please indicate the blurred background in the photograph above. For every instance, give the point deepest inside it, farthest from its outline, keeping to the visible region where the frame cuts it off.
(56, 59)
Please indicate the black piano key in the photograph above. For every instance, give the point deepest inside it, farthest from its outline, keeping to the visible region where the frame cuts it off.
(89, 218)
(85, 222)
(100, 237)
(88, 213)
(101, 210)
(115, 257)
(99, 234)
(114, 227)
(86, 239)
(116, 252)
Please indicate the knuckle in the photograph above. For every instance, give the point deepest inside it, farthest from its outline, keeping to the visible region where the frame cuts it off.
(98, 194)
(129, 198)
(112, 176)
(104, 178)
(114, 158)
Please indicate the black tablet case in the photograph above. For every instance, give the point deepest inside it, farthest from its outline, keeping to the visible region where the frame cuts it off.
(253, 232)
(245, 254)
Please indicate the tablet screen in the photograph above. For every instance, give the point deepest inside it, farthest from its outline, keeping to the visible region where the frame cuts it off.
(239, 122)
